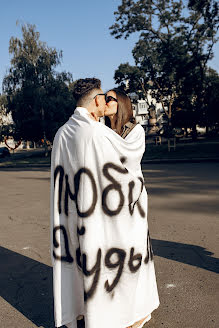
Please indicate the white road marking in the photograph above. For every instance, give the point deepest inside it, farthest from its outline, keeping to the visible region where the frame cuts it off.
(170, 286)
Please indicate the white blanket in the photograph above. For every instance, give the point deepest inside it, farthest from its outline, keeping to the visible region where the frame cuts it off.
(102, 257)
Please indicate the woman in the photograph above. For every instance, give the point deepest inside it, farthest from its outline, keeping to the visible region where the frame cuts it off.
(114, 258)
(119, 111)
(119, 117)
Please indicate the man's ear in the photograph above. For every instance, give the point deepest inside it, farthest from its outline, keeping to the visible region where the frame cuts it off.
(97, 101)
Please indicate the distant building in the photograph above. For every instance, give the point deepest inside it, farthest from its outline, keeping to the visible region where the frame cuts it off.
(5, 122)
(142, 115)
(5, 119)
(141, 112)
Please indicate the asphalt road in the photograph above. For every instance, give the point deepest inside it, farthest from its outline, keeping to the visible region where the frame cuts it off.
(183, 220)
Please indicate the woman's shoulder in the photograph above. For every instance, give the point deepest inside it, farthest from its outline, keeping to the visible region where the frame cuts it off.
(129, 126)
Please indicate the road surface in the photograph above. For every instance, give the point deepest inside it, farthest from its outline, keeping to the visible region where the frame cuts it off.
(183, 220)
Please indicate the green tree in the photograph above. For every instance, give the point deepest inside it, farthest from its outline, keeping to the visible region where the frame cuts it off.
(210, 113)
(39, 98)
(175, 43)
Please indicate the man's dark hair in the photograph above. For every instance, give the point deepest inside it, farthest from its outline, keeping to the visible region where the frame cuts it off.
(83, 87)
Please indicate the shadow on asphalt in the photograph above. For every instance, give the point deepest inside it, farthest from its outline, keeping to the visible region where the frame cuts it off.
(191, 188)
(27, 284)
(185, 253)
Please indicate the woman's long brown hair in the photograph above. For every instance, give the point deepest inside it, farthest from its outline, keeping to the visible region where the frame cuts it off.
(124, 110)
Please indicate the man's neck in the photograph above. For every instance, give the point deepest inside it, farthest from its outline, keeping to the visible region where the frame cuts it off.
(91, 113)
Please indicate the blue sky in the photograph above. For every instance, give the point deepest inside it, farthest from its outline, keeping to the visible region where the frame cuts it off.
(80, 28)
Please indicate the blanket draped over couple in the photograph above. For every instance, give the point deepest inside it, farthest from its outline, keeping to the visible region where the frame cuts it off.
(101, 251)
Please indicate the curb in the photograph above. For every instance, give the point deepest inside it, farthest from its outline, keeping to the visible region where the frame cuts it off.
(149, 161)
(180, 160)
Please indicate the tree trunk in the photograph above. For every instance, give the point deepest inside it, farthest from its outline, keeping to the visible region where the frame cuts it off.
(207, 129)
(44, 135)
(194, 132)
(45, 144)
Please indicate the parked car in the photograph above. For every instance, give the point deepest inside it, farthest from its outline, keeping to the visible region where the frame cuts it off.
(4, 152)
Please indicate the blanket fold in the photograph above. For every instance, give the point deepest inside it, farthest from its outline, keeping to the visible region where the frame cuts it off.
(101, 251)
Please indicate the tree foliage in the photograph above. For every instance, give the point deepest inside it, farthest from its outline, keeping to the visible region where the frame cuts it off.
(6, 128)
(175, 43)
(210, 114)
(39, 98)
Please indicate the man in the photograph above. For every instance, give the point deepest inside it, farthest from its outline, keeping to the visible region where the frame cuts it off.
(90, 105)
(103, 267)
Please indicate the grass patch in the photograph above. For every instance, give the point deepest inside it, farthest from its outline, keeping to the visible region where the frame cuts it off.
(184, 150)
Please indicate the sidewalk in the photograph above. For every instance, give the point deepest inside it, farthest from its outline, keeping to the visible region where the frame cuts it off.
(26, 158)
(152, 161)
(180, 160)
(193, 152)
